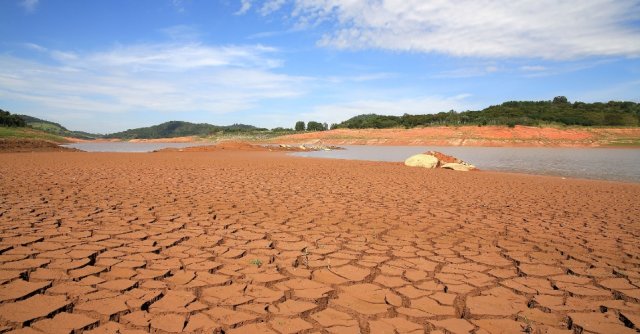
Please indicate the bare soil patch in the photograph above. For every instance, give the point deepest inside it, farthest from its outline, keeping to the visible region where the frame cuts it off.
(31, 145)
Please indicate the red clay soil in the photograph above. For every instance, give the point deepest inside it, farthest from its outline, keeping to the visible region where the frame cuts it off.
(259, 242)
(474, 136)
(31, 145)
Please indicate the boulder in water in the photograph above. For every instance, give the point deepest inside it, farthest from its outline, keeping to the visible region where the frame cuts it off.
(422, 160)
(433, 159)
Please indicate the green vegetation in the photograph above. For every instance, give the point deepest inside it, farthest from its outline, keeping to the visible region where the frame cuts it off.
(55, 128)
(533, 113)
(25, 132)
(181, 129)
(315, 126)
(15, 126)
(311, 126)
(6, 119)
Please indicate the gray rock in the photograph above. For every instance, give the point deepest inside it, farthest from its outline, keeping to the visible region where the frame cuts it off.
(461, 167)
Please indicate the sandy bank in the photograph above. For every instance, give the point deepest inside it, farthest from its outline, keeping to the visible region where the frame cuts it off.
(259, 242)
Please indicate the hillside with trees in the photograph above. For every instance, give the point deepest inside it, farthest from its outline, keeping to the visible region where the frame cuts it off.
(174, 129)
(532, 113)
(55, 128)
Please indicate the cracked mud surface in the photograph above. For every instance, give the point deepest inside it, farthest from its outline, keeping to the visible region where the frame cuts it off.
(262, 243)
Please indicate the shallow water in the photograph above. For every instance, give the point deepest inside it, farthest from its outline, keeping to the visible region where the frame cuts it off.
(589, 163)
(129, 147)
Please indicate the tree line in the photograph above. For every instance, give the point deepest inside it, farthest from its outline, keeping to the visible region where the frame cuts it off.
(311, 126)
(8, 119)
(532, 113)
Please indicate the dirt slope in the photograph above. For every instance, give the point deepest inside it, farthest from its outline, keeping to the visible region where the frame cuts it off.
(474, 136)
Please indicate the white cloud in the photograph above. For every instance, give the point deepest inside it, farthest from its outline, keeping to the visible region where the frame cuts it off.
(245, 5)
(35, 47)
(182, 56)
(29, 5)
(335, 113)
(549, 29)
(271, 6)
(172, 79)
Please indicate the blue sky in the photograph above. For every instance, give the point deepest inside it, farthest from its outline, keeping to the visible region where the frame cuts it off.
(106, 66)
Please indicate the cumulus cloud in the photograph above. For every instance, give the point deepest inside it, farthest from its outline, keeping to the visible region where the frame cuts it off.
(160, 78)
(549, 29)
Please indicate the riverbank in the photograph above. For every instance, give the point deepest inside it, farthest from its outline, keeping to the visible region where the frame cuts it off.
(264, 242)
(487, 136)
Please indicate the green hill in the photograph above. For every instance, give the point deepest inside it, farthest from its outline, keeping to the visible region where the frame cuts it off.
(180, 129)
(533, 113)
(55, 128)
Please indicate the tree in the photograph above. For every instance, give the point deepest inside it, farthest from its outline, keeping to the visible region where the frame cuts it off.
(7, 119)
(334, 126)
(560, 100)
(325, 126)
(315, 126)
(299, 126)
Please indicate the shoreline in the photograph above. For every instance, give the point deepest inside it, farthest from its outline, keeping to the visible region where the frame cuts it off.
(246, 146)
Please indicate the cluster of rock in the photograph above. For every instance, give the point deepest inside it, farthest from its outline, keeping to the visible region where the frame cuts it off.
(433, 159)
(307, 147)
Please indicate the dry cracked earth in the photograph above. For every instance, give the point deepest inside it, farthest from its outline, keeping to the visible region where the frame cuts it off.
(263, 243)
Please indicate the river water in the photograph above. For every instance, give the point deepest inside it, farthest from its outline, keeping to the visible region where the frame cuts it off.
(590, 163)
(129, 147)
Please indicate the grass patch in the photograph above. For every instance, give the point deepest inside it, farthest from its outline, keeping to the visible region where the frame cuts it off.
(624, 142)
(28, 133)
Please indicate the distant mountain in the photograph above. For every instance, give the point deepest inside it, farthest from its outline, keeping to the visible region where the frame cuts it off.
(180, 129)
(55, 128)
